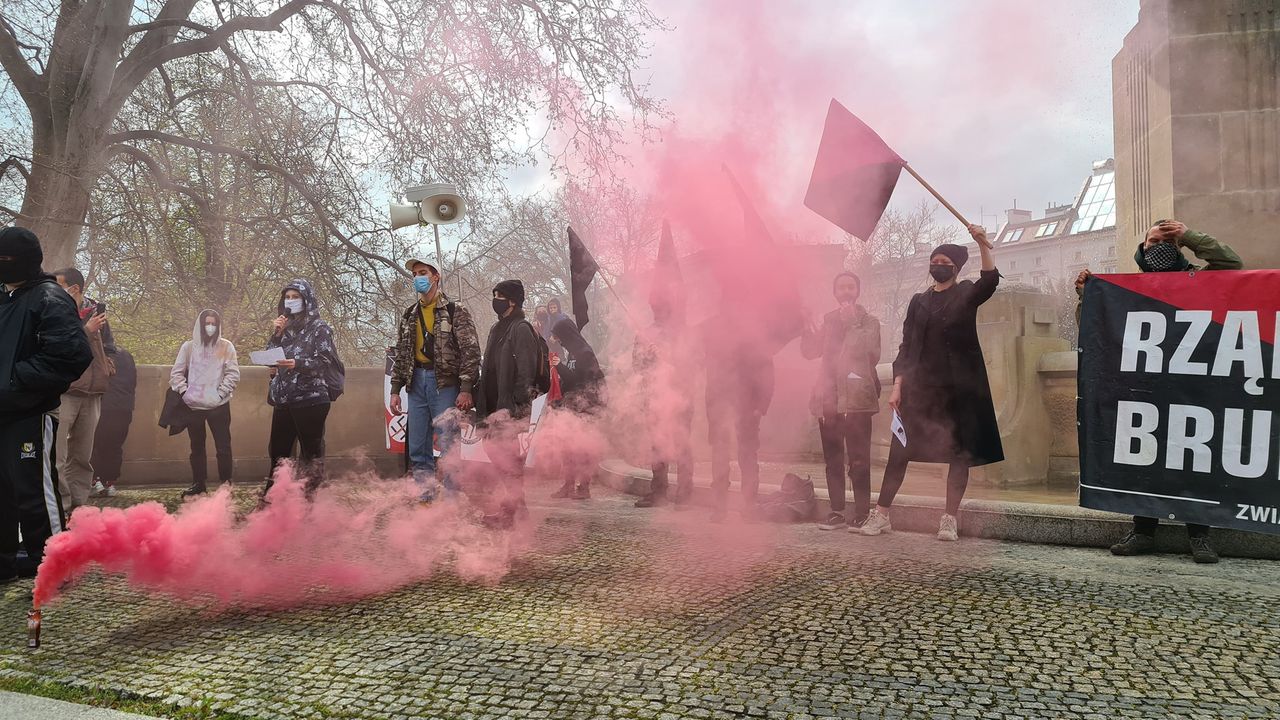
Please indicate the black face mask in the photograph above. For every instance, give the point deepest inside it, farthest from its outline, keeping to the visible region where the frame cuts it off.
(12, 272)
(501, 306)
(942, 273)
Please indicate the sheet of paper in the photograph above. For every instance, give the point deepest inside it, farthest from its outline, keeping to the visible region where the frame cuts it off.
(854, 376)
(266, 357)
(472, 444)
(895, 427)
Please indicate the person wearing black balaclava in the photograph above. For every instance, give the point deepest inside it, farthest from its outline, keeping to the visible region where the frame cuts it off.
(940, 386)
(43, 349)
(1161, 251)
(508, 386)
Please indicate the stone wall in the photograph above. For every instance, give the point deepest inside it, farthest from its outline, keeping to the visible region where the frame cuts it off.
(355, 437)
(1032, 377)
(1196, 97)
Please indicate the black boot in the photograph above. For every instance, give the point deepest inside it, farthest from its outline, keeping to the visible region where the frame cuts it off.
(1135, 543)
(1202, 551)
(566, 491)
(197, 488)
(656, 498)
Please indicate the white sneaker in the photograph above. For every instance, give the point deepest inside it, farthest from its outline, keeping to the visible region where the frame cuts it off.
(98, 489)
(111, 491)
(947, 529)
(877, 522)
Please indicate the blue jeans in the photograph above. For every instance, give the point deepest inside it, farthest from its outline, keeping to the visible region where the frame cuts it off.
(426, 404)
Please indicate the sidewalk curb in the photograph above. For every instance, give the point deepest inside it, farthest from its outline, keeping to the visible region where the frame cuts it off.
(996, 520)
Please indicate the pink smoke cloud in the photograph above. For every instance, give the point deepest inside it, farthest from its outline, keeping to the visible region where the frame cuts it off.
(338, 547)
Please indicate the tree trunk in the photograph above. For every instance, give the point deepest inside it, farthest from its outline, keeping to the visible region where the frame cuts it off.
(54, 208)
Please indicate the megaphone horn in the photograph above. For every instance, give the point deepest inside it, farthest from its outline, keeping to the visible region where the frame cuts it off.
(404, 216)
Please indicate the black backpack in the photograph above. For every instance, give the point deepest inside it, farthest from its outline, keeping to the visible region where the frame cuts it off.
(335, 379)
(542, 378)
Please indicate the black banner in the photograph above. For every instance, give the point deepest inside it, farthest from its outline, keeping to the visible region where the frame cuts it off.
(1179, 387)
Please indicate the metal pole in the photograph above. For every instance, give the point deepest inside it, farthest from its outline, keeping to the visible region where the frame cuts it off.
(439, 255)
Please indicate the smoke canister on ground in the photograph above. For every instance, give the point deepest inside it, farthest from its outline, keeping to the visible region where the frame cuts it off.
(33, 628)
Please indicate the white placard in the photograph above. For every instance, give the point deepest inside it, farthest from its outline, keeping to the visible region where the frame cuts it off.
(895, 427)
(267, 357)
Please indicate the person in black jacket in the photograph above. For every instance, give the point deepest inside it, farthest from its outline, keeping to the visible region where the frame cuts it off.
(299, 393)
(113, 425)
(43, 349)
(582, 382)
(508, 386)
(940, 386)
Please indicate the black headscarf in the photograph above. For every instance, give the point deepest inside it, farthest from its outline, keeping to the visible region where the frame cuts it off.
(958, 254)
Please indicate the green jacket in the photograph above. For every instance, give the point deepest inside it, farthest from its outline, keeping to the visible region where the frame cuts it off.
(847, 381)
(1217, 256)
(456, 347)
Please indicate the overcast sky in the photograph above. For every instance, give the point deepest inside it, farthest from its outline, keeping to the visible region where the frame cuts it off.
(991, 100)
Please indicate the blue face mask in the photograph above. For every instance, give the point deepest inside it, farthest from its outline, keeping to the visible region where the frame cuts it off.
(422, 284)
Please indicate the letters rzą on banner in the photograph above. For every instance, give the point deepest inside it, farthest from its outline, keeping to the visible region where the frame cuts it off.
(1179, 387)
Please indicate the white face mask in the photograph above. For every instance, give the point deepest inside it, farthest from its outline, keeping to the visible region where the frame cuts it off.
(210, 330)
(294, 306)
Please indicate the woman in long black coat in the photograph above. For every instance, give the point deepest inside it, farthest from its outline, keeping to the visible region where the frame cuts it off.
(940, 387)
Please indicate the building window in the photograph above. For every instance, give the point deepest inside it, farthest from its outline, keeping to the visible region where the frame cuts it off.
(1097, 208)
(1046, 229)
(1013, 235)
(1039, 261)
(1111, 251)
(1013, 264)
(1079, 255)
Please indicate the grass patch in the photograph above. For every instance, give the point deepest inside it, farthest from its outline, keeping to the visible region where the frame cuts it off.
(123, 702)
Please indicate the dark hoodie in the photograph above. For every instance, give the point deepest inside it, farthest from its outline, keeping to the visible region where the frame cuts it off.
(582, 380)
(308, 341)
(43, 348)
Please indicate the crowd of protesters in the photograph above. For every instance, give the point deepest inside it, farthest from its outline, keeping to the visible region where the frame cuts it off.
(69, 401)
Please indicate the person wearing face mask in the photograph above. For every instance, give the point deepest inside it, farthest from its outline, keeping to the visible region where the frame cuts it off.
(940, 386)
(845, 397)
(303, 386)
(205, 375)
(43, 349)
(438, 362)
(508, 386)
(1161, 251)
(82, 404)
(554, 315)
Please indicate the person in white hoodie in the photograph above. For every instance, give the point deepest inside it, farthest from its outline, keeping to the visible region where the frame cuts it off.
(205, 375)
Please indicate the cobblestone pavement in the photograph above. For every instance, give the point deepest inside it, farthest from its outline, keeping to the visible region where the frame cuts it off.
(624, 613)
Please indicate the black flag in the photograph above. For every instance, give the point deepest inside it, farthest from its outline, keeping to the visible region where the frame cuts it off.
(668, 283)
(582, 270)
(759, 254)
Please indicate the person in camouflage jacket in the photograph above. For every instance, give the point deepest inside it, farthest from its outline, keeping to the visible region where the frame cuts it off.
(438, 362)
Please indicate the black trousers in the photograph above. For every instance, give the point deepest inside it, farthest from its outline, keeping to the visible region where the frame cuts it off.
(219, 422)
(1147, 526)
(304, 427)
(29, 496)
(108, 445)
(896, 470)
(674, 446)
(847, 436)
